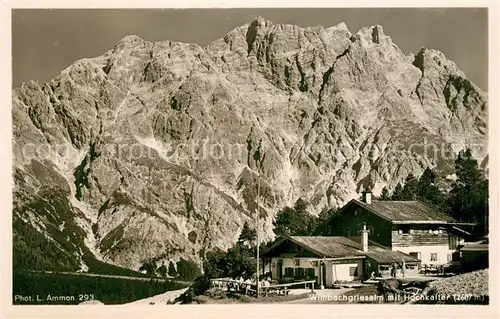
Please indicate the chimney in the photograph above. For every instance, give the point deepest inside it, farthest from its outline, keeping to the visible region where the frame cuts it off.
(367, 196)
(364, 238)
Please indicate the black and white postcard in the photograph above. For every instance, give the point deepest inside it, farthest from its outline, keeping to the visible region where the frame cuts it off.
(171, 159)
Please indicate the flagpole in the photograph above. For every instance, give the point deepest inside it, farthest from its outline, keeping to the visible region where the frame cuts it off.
(257, 231)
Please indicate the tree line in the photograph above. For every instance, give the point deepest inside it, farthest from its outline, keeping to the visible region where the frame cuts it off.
(182, 269)
(466, 200)
(106, 290)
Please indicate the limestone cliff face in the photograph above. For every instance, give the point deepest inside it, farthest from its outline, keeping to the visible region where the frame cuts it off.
(155, 150)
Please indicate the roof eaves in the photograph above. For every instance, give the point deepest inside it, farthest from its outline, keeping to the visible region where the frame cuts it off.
(431, 222)
(348, 257)
(277, 243)
(459, 230)
(338, 212)
(420, 222)
(479, 247)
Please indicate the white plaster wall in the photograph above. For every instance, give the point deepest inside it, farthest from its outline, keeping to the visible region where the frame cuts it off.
(425, 253)
(341, 271)
(341, 268)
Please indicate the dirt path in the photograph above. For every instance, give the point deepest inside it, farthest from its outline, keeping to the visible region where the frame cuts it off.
(159, 300)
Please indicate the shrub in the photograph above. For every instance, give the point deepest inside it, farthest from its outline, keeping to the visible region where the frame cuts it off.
(171, 269)
(199, 287)
(188, 270)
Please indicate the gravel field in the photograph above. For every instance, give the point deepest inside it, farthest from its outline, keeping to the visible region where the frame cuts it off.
(160, 299)
(473, 283)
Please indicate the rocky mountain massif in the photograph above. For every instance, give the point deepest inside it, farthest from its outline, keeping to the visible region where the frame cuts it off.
(156, 150)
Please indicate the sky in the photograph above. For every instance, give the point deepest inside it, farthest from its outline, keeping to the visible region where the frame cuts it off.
(45, 41)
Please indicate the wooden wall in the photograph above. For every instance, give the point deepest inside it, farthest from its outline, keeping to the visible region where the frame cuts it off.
(350, 223)
(288, 246)
(419, 235)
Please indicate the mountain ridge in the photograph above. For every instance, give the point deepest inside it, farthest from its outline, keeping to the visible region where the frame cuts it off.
(305, 112)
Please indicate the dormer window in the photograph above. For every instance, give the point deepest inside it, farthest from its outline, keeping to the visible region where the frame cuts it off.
(404, 230)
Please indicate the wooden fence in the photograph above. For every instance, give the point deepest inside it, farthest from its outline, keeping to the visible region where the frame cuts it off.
(251, 288)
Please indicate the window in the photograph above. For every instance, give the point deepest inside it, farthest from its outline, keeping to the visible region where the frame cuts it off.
(353, 271)
(452, 242)
(404, 230)
(310, 272)
(449, 257)
(434, 256)
(299, 272)
(288, 272)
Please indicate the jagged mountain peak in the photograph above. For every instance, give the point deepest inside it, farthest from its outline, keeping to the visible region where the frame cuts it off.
(154, 150)
(432, 59)
(260, 22)
(131, 39)
(339, 26)
(373, 33)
